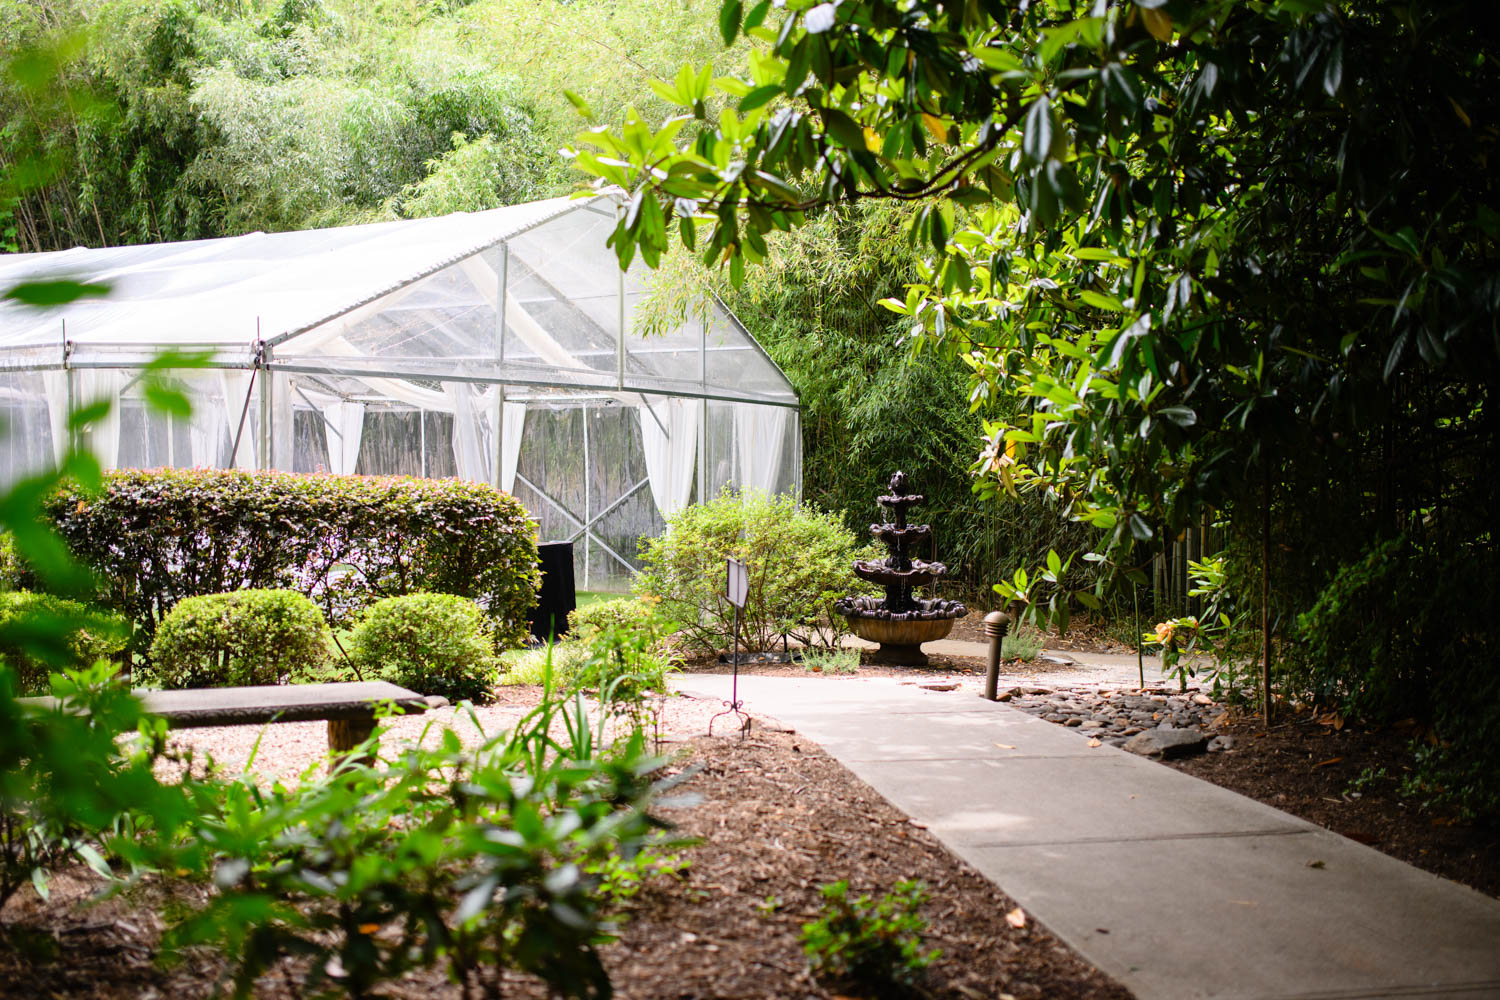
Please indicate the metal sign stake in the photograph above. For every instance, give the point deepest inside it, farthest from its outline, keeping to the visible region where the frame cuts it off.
(736, 589)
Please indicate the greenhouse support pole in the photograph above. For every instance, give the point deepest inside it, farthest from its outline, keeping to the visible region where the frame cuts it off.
(497, 456)
(620, 350)
(68, 387)
(587, 465)
(267, 401)
(703, 413)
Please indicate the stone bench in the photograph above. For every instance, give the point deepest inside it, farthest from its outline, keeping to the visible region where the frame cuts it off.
(349, 707)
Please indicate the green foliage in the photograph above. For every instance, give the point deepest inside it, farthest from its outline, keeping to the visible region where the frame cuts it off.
(831, 661)
(191, 119)
(1223, 633)
(588, 622)
(868, 403)
(184, 119)
(156, 537)
(621, 878)
(246, 637)
(1022, 642)
(12, 569)
(798, 557)
(31, 625)
(1403, 633)
(550, 663)
(1355, 649)
(70, 786)
(431, 643)
(877, 945)
(1128, 217)
(471, 859)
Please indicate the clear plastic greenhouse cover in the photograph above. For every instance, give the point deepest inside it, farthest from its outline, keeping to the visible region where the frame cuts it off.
(498, 346)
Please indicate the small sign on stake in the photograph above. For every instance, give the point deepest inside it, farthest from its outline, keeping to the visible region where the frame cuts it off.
(736, 583)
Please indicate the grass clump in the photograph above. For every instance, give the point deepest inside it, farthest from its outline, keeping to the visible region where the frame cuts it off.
(830, 661)
(1023, 643)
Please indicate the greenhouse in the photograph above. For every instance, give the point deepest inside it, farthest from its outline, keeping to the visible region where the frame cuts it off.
(497, 346)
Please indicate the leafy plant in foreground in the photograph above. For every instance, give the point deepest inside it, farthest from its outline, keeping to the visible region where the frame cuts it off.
(472, 859)
(67, 780)
(876, 944)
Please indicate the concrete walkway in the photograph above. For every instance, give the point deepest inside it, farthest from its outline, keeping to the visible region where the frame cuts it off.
(1176, 887)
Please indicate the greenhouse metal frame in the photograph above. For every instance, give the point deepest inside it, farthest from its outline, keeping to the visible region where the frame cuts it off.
(499, 346)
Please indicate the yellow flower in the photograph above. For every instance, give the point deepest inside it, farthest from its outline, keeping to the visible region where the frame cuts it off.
(1164, 632)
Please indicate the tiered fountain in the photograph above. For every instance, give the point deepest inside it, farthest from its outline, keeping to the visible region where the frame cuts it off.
(899, 621)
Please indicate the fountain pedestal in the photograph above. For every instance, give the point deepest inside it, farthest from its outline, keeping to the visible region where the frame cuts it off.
(900, 622)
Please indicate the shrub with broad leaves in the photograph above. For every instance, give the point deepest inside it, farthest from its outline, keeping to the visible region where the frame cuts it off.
(799, 558)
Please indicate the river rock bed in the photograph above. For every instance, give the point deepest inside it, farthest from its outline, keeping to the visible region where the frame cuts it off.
(1159, 722)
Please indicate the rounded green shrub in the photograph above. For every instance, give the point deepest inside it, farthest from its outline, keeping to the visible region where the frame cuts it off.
(31, 625)
(432, 643)
(799, 558)
(241, 638)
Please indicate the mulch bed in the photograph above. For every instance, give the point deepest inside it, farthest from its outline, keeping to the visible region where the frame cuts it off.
(779, 818)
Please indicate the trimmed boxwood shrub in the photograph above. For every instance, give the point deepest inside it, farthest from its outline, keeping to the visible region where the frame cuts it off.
(431, 643)
(155, 537)
(29, 631)
(246, 637)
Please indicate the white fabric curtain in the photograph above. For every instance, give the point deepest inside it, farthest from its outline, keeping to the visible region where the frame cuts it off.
(56, 384)
(98, 385)
(468, 434)
(205, 427)
(283, 440)
(236, 383)
(346, 425)
(513, 423)
(671, 447)
(759, 439)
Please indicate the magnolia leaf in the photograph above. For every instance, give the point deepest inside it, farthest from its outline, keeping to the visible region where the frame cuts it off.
(1036, 140)
(729, 20)
(43, 294)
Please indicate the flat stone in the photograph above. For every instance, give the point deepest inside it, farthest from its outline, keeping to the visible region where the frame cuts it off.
(1167, 743)
(237, 706)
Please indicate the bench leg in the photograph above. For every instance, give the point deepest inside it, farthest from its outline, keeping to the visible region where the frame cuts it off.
(344, 735)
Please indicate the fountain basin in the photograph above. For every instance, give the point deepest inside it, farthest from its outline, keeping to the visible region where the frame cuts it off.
(900, 641)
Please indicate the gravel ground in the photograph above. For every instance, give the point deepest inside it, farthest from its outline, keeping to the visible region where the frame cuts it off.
(281, 751)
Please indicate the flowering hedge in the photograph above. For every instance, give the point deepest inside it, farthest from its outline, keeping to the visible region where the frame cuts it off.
(154, 537)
